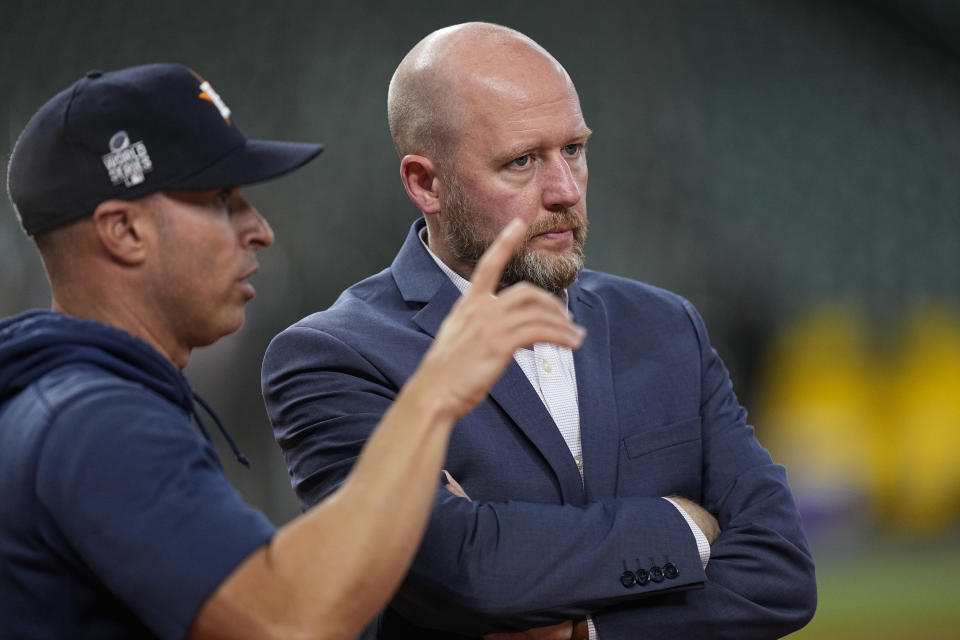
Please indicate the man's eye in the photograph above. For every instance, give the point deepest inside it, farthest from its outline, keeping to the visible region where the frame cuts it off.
(572, 149)
(522, 161)
(223, 197)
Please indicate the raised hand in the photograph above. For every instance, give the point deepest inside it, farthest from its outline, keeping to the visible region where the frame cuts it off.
(477, 340)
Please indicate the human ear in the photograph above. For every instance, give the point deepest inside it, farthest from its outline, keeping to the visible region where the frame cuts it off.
(419, 176)
(121, 228)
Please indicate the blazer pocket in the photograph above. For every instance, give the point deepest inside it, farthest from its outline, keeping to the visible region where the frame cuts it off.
(659, 438)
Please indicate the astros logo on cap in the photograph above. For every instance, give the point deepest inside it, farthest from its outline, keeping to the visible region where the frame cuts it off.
(207, 93)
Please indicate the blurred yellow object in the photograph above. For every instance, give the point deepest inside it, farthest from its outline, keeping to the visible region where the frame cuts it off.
(858, 426)
(816, 411)
(924, 415)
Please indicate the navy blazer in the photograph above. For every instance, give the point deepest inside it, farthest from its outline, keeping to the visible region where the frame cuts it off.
(537, 545)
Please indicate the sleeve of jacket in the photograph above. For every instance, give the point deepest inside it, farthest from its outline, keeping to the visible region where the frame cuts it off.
(760, 579)
(482, 567)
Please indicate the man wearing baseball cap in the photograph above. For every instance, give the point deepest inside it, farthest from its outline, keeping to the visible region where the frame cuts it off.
(117, 520)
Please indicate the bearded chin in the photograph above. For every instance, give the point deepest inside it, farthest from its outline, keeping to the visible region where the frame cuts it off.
(553, 272)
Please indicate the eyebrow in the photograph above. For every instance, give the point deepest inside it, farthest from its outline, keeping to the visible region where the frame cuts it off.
(523, 149)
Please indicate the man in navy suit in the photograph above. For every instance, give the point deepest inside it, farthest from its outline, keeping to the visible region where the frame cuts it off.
(614, 491)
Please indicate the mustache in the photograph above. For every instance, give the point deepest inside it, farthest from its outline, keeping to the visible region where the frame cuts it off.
(563, 218)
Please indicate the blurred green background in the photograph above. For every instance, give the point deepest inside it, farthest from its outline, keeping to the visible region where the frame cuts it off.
(788, 166)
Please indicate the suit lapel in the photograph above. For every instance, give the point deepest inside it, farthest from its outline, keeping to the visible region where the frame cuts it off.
(420, 280)
(599, 430)
(513, 393)
(520, 401)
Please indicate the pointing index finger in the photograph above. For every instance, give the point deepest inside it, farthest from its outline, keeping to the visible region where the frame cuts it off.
(486, 275)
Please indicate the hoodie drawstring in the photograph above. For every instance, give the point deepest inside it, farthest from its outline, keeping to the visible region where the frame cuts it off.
(242, 459)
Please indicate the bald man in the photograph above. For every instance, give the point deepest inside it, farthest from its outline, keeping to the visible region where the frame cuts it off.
(614, 491)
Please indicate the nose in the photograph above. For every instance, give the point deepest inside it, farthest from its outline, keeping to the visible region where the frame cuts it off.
(253, 230)
(561, 189)
(262, 236)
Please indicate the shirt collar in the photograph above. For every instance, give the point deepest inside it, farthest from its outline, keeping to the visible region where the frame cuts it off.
(461, 283)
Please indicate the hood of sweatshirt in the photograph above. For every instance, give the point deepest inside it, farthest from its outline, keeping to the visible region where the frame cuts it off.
(36, 342)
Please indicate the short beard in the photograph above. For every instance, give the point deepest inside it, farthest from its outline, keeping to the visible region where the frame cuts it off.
(467, 241)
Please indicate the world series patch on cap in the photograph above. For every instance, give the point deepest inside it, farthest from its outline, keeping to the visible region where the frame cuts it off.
(126, 134)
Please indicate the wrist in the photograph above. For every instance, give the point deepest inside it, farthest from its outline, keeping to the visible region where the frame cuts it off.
(426, 397)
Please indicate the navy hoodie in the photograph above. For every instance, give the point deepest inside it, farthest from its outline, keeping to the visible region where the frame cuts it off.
(116, 519)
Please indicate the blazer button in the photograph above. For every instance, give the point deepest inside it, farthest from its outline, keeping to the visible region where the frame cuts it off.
(656, 574)
(627, 579)
(670, 571)
(642, 577)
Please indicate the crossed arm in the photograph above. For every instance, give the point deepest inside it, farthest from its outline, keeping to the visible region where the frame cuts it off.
(580, 629)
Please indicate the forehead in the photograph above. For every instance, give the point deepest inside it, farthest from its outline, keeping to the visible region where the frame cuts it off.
(528, 110)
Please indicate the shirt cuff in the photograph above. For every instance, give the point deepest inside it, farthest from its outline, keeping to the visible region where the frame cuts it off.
(703, 545)
(591, 629)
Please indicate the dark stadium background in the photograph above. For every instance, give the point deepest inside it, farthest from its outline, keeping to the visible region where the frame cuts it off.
(791, 167)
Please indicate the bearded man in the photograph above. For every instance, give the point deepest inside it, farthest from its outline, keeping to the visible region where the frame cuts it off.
(614, 491)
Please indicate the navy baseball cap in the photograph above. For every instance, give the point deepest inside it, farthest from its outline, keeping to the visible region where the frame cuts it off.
(126, 134)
